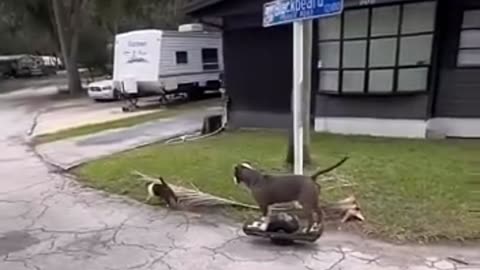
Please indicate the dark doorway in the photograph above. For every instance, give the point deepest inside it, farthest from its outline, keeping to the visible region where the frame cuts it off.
(458, 92)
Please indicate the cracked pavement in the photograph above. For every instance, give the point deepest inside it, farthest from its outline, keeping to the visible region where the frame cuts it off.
(49, 222)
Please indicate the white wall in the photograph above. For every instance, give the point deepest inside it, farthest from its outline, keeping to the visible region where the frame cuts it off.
(455, 127)
(372, 126)
(403, 128)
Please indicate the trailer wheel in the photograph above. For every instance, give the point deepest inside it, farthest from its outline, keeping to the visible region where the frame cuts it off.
(196, 93)
(116, 94)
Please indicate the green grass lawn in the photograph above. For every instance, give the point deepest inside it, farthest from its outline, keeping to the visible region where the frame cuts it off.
(408, 189)
(121, 123)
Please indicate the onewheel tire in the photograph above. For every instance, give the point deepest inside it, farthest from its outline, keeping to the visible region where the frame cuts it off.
(281, 241)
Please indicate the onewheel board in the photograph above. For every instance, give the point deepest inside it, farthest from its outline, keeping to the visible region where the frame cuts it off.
(280, 237)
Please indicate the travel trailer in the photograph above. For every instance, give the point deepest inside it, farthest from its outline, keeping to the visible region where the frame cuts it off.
(21, 65)
(51, 64)
(157, 62)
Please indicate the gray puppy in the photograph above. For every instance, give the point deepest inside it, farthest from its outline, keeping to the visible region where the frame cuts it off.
(270, 189)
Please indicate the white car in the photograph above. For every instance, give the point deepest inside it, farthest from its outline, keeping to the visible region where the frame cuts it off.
(103, 90)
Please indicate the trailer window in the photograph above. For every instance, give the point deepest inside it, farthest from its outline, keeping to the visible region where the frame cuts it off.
(210, 59)
(182, 57)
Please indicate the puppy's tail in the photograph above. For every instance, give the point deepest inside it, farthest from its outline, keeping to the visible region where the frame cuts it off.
(331, 168)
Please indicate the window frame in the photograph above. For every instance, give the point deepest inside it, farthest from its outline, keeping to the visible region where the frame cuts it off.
(177, 57)
(459, 48)
(214, 65)
(396, 67)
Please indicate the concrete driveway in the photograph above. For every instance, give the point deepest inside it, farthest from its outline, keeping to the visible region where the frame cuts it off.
(80, 112)
(49, 222)
(69, 153)
(60, 112)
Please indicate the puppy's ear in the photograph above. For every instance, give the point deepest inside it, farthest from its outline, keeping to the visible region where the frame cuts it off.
(246, 165)
(161, 180)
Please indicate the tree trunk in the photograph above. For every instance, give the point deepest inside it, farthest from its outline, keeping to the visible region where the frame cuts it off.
(74, 81)
(52, 28)
(60, 24)
(68, 39)
(290, 156)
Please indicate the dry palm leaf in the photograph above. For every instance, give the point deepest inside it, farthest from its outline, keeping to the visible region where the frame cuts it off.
(342, 210)
(194, 197)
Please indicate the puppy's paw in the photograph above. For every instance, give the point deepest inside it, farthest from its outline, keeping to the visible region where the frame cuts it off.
(297, 205)
(315, 227)
(263, 226)
(148, 199)
(255, 224)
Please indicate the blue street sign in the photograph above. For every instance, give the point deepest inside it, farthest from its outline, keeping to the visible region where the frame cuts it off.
(287, 11)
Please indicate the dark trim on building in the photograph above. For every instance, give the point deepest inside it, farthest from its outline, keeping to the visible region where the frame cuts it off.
(377, 68)
(380, 37)
(374, 94)
(382, 107)
(434, 73)
(366, 78)
(196, 6)
(356, 4)
(260, 119)
(211, 24)
(398, 49)
(242, 21)
(340, 51)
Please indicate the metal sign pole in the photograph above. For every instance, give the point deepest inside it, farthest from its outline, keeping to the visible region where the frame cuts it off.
(287, 11)
(298, 52)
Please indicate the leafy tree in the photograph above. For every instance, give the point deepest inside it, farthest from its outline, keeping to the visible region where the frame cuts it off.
(80, 30)
(110, 13)
(93, 46)
(22, 22)
(60, 19)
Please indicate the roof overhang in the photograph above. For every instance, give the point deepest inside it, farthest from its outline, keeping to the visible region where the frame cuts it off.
(197, 7)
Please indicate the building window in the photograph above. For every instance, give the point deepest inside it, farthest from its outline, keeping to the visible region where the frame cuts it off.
(182, 57)
(378, 50)
(469, 44)
(210, 59)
